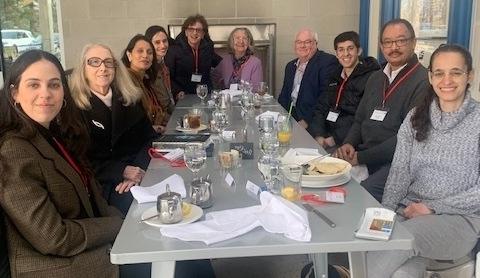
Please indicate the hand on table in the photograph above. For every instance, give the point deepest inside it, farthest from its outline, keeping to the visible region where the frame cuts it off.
(124, 186)
(180, 95)
(303, 124)
(133, 173)
(416, 209)
(347, 152)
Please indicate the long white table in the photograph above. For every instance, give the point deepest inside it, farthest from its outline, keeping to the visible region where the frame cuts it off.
(140, 243)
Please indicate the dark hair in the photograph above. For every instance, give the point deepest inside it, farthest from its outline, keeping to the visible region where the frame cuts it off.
(396, 21)
(420, 120)
(196, 18)
(347, 36)
(70, 128)
(152, 71)
(154, 29)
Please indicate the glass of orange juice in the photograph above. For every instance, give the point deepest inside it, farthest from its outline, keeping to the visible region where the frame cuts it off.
(284, 130)
(291, 179)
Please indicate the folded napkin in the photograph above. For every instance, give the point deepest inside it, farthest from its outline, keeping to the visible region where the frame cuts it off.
(232, 93)
(150, 193)
(275, 215)
(300, 156)
(271, 113)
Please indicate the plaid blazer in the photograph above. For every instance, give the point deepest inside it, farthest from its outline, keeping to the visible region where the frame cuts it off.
(51, 227)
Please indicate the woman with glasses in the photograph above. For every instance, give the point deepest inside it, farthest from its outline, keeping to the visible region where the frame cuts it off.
(434, 181)
(57, 222)
(120, 132)
(191, 57)
(141, 61)
(162, 85)
(239, 64)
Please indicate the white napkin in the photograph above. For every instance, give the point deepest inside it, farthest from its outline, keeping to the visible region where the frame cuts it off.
(359, 172)
(275, 215)
(150, 193)
(300, 156)
(232, 93)
(271, 113)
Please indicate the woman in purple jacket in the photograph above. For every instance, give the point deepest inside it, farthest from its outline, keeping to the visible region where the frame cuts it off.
(240, 64)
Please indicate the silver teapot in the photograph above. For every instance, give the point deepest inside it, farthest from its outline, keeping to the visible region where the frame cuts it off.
(201, 192)
(169, 207)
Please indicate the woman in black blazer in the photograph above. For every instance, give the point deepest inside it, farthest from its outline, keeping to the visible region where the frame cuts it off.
(120, 131)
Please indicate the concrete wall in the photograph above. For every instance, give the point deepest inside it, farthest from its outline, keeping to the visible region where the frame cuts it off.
(475, 49)
(114, 22)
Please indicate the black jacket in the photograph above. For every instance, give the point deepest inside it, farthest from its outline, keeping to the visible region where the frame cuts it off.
(180, 61)
(118, 137)
(347, 106)
(4, 265)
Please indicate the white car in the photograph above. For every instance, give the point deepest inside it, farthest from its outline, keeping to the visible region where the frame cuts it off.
(21, 40)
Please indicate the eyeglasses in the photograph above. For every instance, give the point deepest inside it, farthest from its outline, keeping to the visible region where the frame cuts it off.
(195, 30)
(400, 42)
(306, 43)
(96, 62)
(454, 74)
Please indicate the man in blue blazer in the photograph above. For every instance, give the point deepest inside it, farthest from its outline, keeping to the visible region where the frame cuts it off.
(306, 77)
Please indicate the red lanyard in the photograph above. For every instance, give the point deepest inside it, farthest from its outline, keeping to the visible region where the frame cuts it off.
(195, 57)
(340, 92)
(72, 163)
(387, 93)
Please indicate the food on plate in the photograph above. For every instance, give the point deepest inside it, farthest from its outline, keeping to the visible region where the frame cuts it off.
(325, 168)
(290, 193)
(186, 208)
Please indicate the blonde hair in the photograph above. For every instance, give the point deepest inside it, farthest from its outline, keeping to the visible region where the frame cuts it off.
(81, 92)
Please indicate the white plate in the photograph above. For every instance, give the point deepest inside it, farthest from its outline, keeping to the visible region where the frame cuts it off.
(329, 183)
(324, 177)
(193, 216)
(191, 130)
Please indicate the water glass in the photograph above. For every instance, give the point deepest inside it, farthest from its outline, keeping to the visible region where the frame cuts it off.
(219, 121)
(284, 130)
(194, 157)
(202, 92)
(269, 167)
(291, 180)
(262, 88)
(266, 123)
(216, 97)
(246, 102)
(268, 143)
(257, 101)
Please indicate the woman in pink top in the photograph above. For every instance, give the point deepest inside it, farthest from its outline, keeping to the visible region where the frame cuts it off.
(240, 64)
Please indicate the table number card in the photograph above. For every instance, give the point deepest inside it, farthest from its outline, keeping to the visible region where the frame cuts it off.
(253, 188)
(229, 179)
(246, 149)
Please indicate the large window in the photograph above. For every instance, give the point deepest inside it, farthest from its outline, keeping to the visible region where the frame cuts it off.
(430, 21)
(28, 24)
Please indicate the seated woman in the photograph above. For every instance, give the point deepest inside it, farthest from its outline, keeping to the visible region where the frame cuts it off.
(240, 64)
(160, 40)
(141, 62)
(191, 58)
(120, 132)
(58, 224)
(434, 182)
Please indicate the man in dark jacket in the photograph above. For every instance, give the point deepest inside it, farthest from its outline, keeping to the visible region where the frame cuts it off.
(4, 265)
(306, 77)
(336, 107)
(389, 95)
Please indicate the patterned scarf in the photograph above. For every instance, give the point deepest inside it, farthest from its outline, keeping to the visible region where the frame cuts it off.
(237, 67)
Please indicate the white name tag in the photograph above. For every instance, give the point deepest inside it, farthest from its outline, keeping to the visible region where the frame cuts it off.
(378, 115)
(332, 116)
(253, 188)
(335, 197)
(229, 179)
(196, 77)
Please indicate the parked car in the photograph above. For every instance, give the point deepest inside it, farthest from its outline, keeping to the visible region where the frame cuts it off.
(21, 40)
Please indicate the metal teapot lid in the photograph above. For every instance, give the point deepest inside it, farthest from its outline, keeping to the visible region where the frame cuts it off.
(169, 195)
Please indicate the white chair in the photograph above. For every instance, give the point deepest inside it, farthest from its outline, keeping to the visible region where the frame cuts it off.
(461, 268)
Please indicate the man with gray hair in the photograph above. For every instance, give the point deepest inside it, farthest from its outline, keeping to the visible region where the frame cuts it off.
(306, 77)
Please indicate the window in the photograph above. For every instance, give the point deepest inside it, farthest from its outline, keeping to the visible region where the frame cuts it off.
(430, 20)
(28, 24)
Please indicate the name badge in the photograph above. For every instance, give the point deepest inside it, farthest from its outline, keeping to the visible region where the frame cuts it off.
(332, 116)
(196, 77)
(379, 115)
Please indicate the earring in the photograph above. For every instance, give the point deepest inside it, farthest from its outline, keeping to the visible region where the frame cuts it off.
(64, 103)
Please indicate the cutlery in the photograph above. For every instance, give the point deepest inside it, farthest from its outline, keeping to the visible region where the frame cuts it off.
(321, 215)
(148, 218)
(305, 165)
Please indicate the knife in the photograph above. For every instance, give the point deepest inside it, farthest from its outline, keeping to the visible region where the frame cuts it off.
(321, 215)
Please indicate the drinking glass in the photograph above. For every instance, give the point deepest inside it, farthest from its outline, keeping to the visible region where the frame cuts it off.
(202, 92)
(265, 123)
(216, 97)
(268, 167)
(219, 121)
(284, 130)
(268, 143)
(291, 180)
(194, 157)
(262, 88)
(246, 102)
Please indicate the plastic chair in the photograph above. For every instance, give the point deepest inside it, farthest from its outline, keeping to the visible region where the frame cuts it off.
(461, 268)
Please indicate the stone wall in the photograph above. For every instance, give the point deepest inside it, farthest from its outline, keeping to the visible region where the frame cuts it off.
(114, 22)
